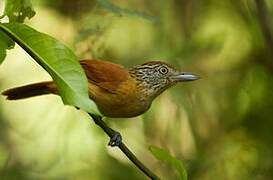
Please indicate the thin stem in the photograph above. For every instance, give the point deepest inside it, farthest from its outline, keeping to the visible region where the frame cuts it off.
(265, 27)
(98, 120)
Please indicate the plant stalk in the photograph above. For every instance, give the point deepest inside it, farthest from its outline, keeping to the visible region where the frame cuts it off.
(98, 120)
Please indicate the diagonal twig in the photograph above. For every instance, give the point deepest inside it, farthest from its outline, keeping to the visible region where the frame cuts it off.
(98, 120)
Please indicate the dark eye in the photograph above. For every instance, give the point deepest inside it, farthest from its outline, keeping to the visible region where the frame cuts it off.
(163, 70)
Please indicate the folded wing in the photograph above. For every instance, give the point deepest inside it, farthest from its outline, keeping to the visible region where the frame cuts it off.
(104, 74)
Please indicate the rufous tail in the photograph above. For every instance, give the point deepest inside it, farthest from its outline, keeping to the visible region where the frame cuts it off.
(37, 89)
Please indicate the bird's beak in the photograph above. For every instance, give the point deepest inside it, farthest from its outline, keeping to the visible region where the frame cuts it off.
(183, 76)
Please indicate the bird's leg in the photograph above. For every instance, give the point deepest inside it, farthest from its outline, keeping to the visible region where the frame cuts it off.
(115, 137)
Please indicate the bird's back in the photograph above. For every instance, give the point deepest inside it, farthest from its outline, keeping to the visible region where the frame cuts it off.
(113, 89)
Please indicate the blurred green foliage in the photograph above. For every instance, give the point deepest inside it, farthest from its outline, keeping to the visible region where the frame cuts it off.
(119, 11)
(18, 10)
(161, 154)
(220, 126)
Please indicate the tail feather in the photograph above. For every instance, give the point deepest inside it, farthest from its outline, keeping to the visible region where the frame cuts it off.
(31, 90)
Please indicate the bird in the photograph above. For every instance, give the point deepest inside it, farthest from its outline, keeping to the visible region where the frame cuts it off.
(118, 92)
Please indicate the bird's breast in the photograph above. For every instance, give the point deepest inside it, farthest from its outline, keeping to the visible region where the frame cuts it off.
(126, 101)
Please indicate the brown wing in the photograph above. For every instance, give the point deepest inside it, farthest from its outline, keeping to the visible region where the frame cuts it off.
(104, 74)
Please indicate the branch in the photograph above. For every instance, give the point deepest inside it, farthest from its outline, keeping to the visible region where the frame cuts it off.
(98, 120)
(265, 26)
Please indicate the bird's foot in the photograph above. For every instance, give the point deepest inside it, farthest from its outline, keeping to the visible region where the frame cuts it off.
(115, 140)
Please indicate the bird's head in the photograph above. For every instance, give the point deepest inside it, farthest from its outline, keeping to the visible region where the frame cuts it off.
(154, 77)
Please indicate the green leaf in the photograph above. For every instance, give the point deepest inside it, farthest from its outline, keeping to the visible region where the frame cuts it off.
(18, 10)
(58, 61)
(119, 11)
(161, 154)
(3, 55)
(5, 43)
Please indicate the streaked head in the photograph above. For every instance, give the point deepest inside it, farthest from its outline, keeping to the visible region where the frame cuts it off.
(156, 76)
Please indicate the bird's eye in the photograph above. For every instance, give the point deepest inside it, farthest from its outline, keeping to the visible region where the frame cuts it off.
(163, 70)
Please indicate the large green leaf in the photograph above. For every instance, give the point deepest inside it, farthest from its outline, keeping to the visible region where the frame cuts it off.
(18, 10)
(161, 154)
(5, 43)
(57, 60)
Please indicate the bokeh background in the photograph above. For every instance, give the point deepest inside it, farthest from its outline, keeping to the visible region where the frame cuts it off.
(220, 126)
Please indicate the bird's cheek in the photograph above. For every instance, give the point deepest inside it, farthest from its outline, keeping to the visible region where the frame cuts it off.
(168, 82)
(171, 80)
